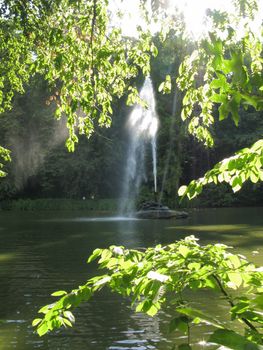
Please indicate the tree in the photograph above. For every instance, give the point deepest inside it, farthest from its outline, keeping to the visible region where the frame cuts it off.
(42, 167)
(225, 71)
(88, 64)
(73, 45)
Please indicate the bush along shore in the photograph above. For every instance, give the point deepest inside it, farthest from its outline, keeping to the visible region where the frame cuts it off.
(60, 204)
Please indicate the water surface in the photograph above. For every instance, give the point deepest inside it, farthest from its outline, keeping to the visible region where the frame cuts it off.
(44, 252)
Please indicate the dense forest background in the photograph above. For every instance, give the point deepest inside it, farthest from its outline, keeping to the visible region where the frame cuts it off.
(43, 168)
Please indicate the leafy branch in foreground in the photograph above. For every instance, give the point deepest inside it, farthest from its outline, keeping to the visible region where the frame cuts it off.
(247, 164)
(161, 275)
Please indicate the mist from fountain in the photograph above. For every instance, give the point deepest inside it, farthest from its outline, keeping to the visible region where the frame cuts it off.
(142, 128)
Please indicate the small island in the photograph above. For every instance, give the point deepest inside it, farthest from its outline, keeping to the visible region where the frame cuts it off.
(155, 210)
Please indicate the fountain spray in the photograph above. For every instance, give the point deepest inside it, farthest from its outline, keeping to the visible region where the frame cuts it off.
(142, 128)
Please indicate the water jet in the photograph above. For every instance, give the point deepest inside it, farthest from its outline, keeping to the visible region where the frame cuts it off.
(142, 129)
(142, 126)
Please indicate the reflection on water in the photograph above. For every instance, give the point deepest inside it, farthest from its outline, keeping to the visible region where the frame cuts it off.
(7, 256)
(107, 219)
(95, 219)
(211, 228)
(43, 252)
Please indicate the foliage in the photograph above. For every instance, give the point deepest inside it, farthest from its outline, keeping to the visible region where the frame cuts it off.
(163, 275)
(224, 71)
(5, 156)
(60, 204)
(88, 64)
(86, 61)
(42, 168)
(235, 170)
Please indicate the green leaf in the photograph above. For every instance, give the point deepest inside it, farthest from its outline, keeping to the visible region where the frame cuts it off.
(105, 255)
(44, 309)
(193, 313)
(69, 316)
(180, 323)
(184, 250)
(182, 191)
(232, 340)
(154, 50)
(231, 164)
(166, 85)
(43, 329)
(218, 98)
(233, 109)
(254, 177)
(194, 266)
(250, 99)
(240, 307)
(216, 83)
(223, 111)
(102, 281)
(36, 321)
(236, 183)
(59, 293)
(258, 301)
(152, 310)
(66, 322)
(96, 253)
(235, 261)
(161, 86)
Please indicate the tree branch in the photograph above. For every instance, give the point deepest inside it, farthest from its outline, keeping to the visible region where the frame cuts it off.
(250, 325)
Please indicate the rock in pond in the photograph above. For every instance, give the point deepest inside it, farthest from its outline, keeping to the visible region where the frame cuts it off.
(153, 210)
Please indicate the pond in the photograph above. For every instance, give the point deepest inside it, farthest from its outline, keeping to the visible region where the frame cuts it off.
(44, 252)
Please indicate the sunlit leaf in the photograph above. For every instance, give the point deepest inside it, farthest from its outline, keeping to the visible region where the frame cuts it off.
(59, 293)
(232, 340)
(199, 314)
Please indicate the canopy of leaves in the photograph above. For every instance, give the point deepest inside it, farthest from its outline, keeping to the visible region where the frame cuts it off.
(86, 60)
(224, 72)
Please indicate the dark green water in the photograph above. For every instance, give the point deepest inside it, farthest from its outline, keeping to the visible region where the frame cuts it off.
(44, 252)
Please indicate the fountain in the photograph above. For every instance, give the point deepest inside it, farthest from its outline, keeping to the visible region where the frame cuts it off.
(142, 128)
